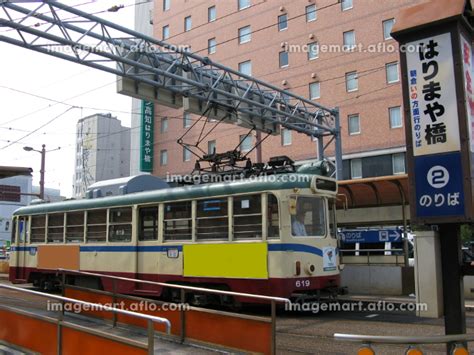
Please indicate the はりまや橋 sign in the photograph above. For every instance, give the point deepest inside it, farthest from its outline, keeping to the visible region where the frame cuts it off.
(432, 92)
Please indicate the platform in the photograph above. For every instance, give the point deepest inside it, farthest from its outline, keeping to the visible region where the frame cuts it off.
(34, 306)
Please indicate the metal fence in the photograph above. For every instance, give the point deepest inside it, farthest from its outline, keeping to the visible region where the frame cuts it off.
(61, 323)
(185, 289)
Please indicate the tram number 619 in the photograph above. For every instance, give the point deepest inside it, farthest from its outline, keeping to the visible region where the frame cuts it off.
(303, 283)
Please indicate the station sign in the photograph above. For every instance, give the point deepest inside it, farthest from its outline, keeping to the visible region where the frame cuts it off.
(437, 92)
(147, 136)
(352, 236)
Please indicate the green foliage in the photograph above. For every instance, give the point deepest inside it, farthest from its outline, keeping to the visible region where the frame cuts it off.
(467, 233)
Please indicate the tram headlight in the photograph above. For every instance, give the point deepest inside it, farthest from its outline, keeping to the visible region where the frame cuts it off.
(310, 268)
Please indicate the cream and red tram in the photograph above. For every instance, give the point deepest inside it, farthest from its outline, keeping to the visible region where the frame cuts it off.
(271, 235)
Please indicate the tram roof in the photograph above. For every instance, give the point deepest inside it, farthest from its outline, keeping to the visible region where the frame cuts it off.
(265, 183)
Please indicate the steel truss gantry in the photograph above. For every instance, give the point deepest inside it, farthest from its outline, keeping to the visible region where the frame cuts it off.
(175, 76)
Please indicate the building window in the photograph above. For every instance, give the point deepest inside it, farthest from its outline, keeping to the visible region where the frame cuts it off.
(163, 157)
(211, 147)
(188, 23)
(186, 154)
(246, 67)
(164, 125)
(166, 32)
(395, 115)
(398, 163)
(346, 5)
(211, 14)
(313, 50)
(245, 143)
(392, 72)
(283, 58)
(387, 28)
(285, 137)
(187, 120)
(352, 82)
(354, 124)
(314, 91)
(245, 34)
(349, 40)
(211, 46)
(310, 13)
(243, 4)
(282, 22)
(356, 168)
(166, 5)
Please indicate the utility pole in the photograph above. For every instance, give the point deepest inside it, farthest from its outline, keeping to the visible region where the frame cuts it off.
(42, 171)
(43, 152)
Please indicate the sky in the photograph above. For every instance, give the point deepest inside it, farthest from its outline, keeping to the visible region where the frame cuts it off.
(27, 78)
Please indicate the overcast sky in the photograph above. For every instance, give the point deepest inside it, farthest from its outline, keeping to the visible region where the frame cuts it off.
(47, 76)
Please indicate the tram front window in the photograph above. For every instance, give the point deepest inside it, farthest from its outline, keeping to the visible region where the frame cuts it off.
(308, 218)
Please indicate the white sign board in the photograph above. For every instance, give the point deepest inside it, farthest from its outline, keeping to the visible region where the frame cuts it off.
(468, 70)
(432, 91)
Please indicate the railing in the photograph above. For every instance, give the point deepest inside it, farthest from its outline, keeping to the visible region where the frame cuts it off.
(455, 342)
(363, 256)
(60, 320)
(183, 289)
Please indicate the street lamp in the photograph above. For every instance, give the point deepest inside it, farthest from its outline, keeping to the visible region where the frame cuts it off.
(43, 152)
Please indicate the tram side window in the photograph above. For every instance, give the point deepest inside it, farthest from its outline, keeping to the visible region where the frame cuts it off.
(212, 221)
(309, 216)
(148, 227)
(120, 224)
(247, 217)
(75, 227)
(56, 228)
(37, 229)
(178, 221)
(273, 220)
(96, 225)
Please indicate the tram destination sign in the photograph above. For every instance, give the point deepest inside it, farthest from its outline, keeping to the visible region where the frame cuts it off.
(437, 94)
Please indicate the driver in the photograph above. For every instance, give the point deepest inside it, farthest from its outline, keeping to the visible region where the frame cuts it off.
(298, 228)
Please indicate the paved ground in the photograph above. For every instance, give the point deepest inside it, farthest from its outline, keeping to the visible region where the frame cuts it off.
(307, 333)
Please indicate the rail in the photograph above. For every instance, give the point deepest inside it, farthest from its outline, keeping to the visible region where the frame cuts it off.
(183, 289)
(456, 341)
(368, 253)
(150, 319)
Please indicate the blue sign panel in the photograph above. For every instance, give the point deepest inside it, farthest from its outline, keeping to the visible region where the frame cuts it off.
(439, 188)
(371, 236)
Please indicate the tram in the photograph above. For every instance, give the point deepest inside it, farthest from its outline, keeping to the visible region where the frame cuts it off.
(271, 235)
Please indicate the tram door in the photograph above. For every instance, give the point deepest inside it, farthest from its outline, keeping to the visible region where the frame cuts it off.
(146, 262)
(21, 240)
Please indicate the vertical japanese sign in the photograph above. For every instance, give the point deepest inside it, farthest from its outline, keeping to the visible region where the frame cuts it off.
(468, 70)
(147, 140)
(433, 96)
(435, 127)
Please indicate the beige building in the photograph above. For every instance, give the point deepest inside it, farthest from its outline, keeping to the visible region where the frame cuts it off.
(339, 54)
